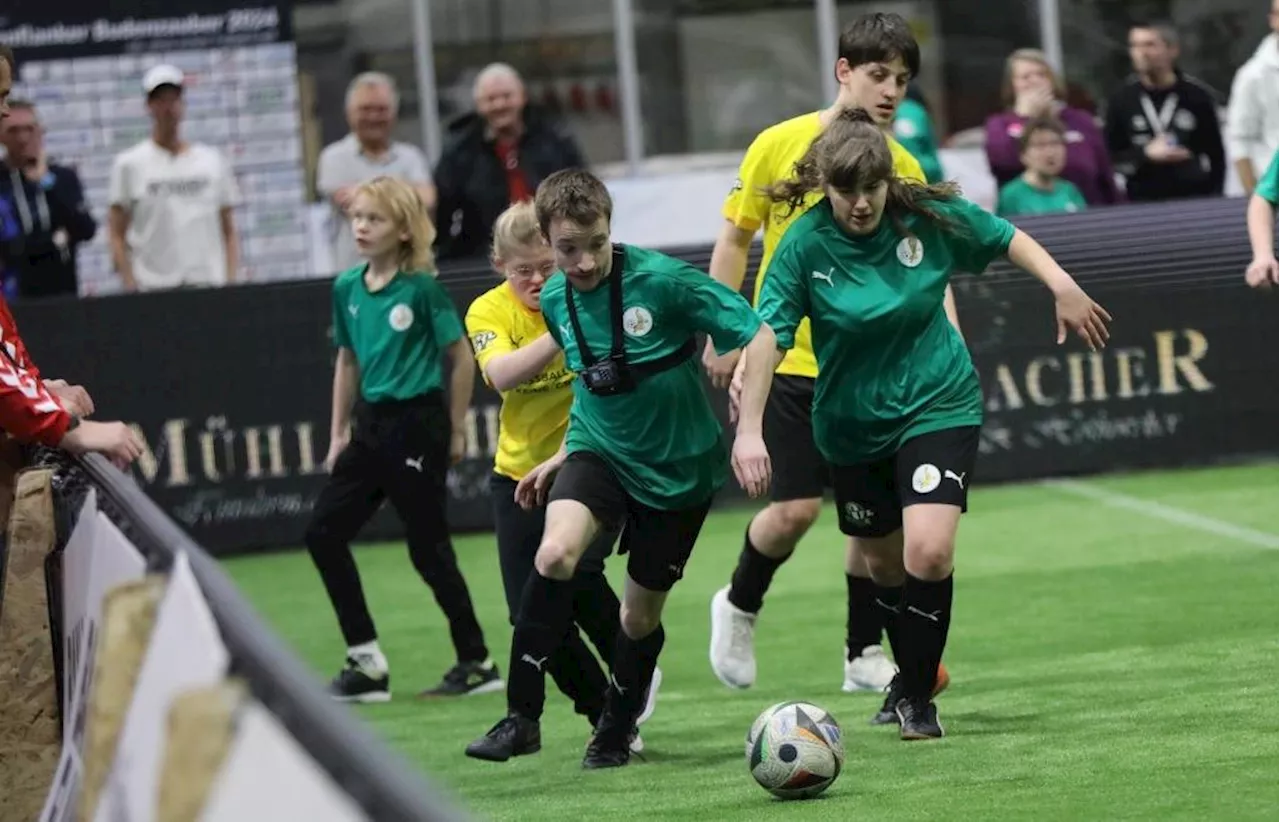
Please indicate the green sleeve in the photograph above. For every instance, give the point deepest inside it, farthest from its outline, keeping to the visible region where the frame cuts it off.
(443, 314)
(341, 334)
(979, 236)
(784, 297)
(718, 311)
(551, 298)
(1269, 183)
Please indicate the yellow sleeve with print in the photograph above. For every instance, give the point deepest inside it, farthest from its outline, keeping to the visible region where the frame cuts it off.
(534, 414)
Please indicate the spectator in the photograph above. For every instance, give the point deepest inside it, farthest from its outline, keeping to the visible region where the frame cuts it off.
(1039, 190)
(171, 201)
(493, 158)
(1253, 118)
(913, 128)
(46, 203)
(1162, 125)
(1032, 89)
(372, 106)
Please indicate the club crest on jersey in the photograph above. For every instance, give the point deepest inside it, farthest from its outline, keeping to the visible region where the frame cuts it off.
(637, 321)
(910, 251)
(401, 317)
(926, 478)
(481, 341)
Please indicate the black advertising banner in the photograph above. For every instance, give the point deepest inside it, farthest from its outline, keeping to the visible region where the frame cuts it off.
(231, 387)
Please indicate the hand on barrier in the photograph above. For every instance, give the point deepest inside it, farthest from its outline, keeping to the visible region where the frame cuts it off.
(719, 369)
(337, 445)
(531, 491)
(74, 397)
(1077, 312)
(114, 440)
(1261, 273)
(751, 464)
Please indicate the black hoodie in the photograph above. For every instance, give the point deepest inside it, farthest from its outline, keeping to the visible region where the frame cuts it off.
(471, 182)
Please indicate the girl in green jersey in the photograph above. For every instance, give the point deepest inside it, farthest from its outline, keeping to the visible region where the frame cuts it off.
(897, 406)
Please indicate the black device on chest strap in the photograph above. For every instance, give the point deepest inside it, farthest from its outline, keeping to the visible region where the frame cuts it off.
(614, 375)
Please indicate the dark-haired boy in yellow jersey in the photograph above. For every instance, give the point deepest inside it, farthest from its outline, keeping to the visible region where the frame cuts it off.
(878, 55)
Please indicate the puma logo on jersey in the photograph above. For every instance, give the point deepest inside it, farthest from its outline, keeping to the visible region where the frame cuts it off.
(952, 475)
(415, 464)
(354, 309)
(536, 663)
(828, 277)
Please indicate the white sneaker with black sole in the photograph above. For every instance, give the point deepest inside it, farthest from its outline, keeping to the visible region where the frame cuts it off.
(650, 705)
(870, 670)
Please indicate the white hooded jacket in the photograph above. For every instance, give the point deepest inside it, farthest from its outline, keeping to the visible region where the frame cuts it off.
(1253, 116)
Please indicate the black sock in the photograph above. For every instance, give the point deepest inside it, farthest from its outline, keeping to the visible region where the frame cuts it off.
(923, 625)
(578, 675)
(865, 623)
(633, 664)
(546, 608)
(889, 601)
(597, 611)
(752, 576)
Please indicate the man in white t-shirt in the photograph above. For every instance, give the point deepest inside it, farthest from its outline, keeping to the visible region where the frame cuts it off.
(367, 152)
(172, 223)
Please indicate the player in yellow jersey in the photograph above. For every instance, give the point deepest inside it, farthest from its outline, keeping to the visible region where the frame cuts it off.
(878, 55)
(518, 358)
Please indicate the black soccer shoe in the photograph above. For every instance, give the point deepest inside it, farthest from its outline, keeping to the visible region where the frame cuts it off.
(512, 736)
(888, 714)
(610, 746)
(352, 684)
(467, 678)
(919, 719)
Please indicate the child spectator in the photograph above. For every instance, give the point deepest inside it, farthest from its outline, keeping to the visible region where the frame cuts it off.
(1039, 190)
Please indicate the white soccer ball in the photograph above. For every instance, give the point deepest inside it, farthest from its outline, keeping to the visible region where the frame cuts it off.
(794, 750)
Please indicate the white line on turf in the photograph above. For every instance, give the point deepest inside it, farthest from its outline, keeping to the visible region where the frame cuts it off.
(1156, 510)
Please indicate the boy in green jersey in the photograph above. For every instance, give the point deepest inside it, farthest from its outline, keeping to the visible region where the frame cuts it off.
(897, 406)
(1261, 220)
(644, 450)
(1039, 190)
(393, 326)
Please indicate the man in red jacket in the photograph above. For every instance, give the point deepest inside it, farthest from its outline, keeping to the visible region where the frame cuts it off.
(51, 413)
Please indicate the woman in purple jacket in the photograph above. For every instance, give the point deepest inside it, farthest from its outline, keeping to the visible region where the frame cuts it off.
(1032, 89)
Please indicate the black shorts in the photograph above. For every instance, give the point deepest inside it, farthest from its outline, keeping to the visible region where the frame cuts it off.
(931, 468)
(799, 471)
(659, 542)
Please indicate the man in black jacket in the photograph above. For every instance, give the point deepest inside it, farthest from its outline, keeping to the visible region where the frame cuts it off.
(43, 203)
(492, 158)
(1162, 125)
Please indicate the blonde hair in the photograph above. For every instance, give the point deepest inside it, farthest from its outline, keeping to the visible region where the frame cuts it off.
(1029, 56)
(409, 215)
(516, 228)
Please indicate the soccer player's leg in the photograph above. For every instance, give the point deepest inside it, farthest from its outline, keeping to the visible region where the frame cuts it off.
(934, 471)
(348, 500)
(584, 498)
(866, 668)
(800, 476)
(659, 543)
(519, 532)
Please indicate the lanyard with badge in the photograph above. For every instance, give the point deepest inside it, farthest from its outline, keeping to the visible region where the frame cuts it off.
(1161, 120)
(614, 375)
(42, 211)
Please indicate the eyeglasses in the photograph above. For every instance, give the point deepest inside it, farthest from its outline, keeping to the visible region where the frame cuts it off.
(527, 271)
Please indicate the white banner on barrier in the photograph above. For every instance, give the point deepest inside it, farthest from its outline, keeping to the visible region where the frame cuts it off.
(77, 561)
(64, 793)
(185, 652)
(115, 561)
(267, 775)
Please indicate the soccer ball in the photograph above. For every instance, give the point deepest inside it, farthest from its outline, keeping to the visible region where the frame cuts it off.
(794, 750)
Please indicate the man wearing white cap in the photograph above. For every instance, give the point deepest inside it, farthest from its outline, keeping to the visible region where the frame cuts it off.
(171, 217)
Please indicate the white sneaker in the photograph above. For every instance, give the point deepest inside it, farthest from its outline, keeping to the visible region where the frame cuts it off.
(636, 743)
(733, 654)
(869, 671)
(650, 700)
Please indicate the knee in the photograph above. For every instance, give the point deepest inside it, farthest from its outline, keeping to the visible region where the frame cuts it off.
(931, 557)
(639, 622)
(880, 558)
(791, 520)
(556, 559)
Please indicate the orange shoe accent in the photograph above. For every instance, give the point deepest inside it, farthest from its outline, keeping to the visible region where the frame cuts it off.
(944, 679)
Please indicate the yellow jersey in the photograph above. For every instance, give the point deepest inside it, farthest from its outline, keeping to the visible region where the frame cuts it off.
(534, 414)
(770, 158)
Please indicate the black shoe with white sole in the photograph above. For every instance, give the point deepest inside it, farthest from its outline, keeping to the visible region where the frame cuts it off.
(514, 735)
(468, 678)
(888, 713)
(354, 684)
(610, 745)
(919, 719)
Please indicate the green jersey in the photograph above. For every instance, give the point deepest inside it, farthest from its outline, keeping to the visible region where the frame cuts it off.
(662, 440)
(1269, 183)
(890, 366)
(399, 333)
(912, 128)
(1018, 197)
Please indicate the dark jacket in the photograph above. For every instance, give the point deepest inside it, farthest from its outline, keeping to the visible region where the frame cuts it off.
(1192, 120)
(41, 223)
(471, 182)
